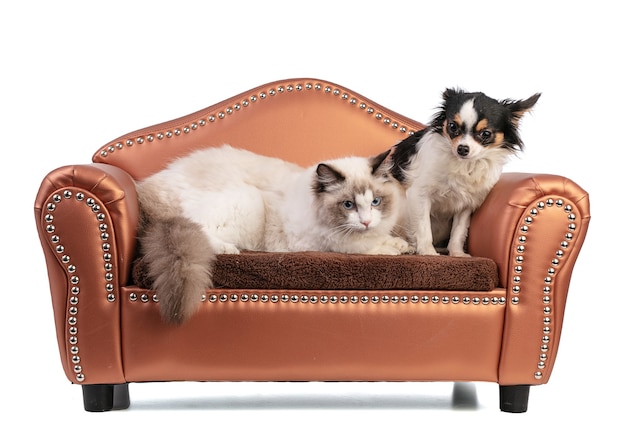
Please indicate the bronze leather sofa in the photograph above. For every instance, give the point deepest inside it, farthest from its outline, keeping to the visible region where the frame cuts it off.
(530, 230)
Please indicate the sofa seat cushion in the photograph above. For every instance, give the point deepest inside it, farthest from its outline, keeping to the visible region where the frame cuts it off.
(334, 271)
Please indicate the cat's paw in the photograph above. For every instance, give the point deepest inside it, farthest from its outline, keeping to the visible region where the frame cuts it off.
(225, 248)
(403, 246)
(384, 250)
(410, 250)
(393, 246)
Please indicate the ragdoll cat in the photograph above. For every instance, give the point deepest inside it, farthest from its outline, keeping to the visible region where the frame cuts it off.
(223, 200)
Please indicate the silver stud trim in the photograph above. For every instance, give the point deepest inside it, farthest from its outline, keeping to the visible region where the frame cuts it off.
(73, 310)
(286, 89)
(517, 289)
(332, 298)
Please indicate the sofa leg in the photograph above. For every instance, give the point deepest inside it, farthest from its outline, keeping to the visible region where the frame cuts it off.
(105, 397)
(514, 398)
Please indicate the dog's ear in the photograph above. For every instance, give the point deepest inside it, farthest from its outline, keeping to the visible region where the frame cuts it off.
(520, 107)
(451, 92)
(439, 118)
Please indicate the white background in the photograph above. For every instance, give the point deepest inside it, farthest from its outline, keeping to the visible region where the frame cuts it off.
(75, 75)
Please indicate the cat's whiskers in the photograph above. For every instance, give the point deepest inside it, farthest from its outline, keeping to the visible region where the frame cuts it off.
(344, 231)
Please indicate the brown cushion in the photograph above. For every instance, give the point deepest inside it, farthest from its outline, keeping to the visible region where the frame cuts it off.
(328, 270)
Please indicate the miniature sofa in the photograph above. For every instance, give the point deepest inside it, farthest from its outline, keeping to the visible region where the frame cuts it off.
(495, 317)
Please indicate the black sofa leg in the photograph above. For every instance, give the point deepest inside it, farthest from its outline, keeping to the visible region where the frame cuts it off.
(105, 397)
(514, 398)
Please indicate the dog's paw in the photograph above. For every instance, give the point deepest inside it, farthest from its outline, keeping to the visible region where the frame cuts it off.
(426, 250)
(458, 254)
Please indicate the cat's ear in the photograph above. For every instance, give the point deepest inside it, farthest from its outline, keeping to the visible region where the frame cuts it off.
(380, 164)
(326, 178)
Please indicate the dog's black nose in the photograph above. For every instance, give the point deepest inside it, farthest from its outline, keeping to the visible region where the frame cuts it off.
(462, 150)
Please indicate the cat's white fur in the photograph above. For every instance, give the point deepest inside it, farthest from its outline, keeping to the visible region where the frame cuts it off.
(244, 201)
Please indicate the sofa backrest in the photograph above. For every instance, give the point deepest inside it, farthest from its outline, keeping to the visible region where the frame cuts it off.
(300, 120)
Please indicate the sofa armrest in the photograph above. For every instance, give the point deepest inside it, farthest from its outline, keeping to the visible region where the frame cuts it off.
(87, 217)
(533, 226)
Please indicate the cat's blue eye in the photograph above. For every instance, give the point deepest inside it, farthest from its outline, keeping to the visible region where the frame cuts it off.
(348, 205)
(376, 201)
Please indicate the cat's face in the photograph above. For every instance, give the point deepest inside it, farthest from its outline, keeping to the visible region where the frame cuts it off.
(356, 195)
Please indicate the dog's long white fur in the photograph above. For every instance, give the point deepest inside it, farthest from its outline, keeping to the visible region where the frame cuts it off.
(445, 189)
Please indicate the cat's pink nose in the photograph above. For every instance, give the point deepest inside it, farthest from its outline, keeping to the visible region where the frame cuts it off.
(366, 224)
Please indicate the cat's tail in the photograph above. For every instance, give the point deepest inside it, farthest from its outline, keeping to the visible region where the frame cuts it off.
(178, 261)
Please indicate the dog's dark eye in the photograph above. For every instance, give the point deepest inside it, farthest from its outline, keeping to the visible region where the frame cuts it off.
(485, 136)
(453, 129)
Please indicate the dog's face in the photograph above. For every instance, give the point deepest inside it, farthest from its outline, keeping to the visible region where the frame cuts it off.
(474, 123)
